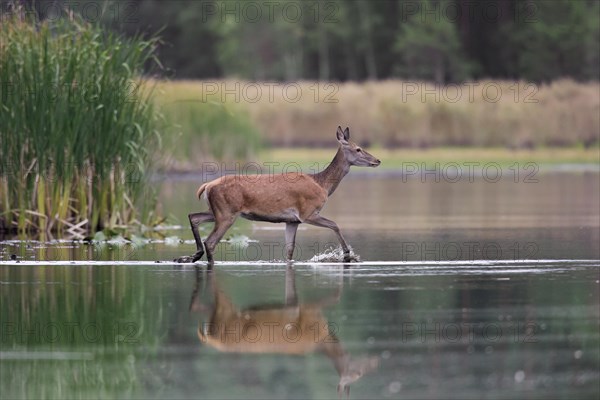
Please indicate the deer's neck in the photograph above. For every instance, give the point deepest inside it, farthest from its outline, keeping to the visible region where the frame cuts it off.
(330, 177)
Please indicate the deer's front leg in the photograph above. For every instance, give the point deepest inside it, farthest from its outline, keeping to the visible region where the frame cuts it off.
(290, 238)
(323, 222)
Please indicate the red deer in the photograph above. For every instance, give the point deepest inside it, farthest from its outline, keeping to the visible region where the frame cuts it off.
(290, 198)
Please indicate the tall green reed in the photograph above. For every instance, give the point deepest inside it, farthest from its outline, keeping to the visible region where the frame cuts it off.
(78, 128)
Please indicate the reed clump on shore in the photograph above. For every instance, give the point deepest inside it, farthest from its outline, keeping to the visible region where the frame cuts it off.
(78, 127)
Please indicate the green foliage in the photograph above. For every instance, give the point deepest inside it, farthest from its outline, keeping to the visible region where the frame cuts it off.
(203, 126)
(430, 49)
(564, 39)
(265, 47)
(77, 125)
(444, 40)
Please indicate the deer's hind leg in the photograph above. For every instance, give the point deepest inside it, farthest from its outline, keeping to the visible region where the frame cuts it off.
(225, 207)
(222, 223)
(195, 220)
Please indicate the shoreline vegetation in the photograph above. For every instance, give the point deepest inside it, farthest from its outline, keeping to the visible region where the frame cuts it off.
(403, 160)
(78, 128)
(310, 159)
(226, 120)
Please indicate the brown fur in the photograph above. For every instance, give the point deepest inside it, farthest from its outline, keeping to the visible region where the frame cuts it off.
(292, 197)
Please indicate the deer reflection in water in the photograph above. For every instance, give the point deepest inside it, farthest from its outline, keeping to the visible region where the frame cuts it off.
(292, 328)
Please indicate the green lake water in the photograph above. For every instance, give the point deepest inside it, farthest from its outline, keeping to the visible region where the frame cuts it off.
(464, 290)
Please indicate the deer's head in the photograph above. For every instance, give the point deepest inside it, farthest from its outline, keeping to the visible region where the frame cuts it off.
(354, 154)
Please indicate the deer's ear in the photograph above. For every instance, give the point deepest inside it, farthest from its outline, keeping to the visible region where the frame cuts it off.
(342, 136)
(347, 133)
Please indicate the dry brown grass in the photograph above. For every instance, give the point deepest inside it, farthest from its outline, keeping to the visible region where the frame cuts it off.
(399, 114)
(563, 113)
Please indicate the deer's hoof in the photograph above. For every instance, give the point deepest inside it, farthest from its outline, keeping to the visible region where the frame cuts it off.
(184, 259)
(197, 256)
(209, 258)
(350, 258)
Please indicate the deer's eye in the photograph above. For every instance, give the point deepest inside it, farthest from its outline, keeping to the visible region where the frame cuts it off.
(359, 150)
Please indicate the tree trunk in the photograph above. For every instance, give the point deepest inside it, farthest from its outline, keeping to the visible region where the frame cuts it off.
(323, 54)
(439, 72)
(365, 23)
(351, 72)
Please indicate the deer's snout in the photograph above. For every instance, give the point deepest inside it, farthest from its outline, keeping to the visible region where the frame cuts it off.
(376, 163)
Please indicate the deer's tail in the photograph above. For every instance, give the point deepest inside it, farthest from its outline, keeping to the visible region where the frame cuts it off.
(201, 190)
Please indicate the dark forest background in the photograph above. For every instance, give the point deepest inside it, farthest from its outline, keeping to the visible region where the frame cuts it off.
(442, 41)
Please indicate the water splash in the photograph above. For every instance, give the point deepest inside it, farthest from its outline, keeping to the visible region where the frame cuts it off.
(334, 255)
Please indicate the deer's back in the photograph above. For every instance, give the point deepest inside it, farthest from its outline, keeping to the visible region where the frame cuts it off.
(273, 198)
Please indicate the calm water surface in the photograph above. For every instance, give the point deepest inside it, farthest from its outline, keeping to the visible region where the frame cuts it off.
(465, 290)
